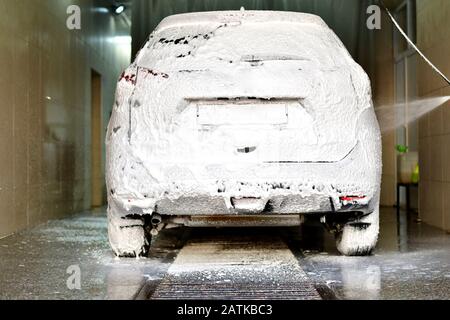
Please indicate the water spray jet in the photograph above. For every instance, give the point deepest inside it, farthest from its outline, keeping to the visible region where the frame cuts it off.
(390, 116)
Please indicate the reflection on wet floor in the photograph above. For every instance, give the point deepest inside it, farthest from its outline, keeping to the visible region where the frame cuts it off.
(412, 261)
(34, 263)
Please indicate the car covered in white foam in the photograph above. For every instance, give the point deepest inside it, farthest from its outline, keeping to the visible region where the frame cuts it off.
(239, 118)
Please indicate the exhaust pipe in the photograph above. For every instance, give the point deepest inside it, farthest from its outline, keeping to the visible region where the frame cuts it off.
(156, 219)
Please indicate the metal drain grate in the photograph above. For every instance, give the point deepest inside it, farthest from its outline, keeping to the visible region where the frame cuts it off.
(236, 269)
(169, 290)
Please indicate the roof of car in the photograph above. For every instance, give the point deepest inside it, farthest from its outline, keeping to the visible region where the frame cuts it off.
(196, 18)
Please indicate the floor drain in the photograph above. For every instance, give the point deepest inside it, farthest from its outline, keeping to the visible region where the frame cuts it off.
(240, 269)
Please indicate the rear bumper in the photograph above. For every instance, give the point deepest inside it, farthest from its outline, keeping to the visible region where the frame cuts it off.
(350, 185)
(277, 204)
(269, 199)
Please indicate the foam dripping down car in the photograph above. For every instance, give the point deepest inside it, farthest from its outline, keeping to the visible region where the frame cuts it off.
(243, 118)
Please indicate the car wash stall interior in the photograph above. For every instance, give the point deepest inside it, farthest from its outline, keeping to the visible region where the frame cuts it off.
(57, 86)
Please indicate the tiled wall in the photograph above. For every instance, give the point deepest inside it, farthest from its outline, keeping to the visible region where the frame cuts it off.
(45, 134)
(433, 32)
(383, 96)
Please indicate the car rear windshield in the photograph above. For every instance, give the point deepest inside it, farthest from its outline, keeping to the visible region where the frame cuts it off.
(213, 43)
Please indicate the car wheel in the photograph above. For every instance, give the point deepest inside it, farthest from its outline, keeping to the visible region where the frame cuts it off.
(359, 238)
(128, 237)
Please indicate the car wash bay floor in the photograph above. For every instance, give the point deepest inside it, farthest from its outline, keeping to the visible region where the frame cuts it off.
(412, 261)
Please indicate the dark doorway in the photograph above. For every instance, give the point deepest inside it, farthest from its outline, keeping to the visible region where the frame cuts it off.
(97, 199)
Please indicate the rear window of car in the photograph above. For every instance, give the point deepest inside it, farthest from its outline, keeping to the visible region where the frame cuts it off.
(214, 43)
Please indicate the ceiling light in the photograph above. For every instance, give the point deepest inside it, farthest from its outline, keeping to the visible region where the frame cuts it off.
(101, 10)
(119, 9)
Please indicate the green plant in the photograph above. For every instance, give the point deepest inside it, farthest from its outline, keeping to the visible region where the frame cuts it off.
(401, 148)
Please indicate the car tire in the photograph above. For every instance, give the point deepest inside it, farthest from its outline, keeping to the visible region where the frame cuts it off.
(128, 237)
(359, 238)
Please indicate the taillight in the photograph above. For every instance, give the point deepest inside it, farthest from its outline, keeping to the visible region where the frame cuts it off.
(351, 199)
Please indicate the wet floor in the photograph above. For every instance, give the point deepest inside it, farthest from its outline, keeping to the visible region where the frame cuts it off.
(412, 261)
